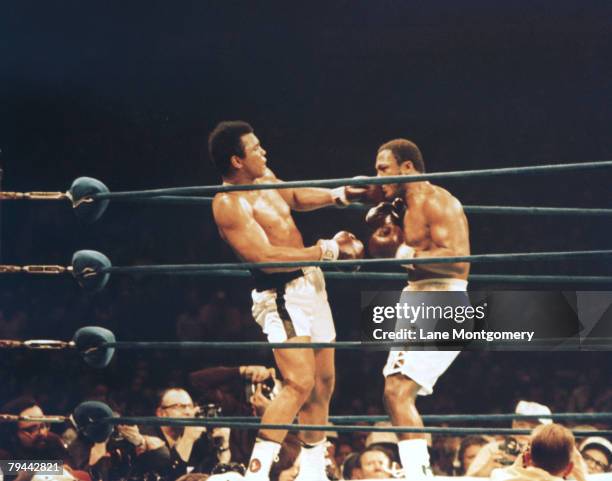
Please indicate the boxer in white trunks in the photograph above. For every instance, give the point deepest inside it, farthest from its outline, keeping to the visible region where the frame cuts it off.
(419, 219)
(290, 304)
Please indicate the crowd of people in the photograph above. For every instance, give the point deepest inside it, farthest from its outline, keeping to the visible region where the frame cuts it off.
(135, 382)
(168, 453)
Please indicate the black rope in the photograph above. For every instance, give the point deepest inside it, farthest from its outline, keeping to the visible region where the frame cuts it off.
(514, 257)
(209, 189)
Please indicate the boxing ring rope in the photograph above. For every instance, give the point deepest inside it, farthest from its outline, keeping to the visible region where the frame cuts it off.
(225, 422)
(97, 345)
(90, 197)
(92, 269)
(343, 345)
(451, 418)
(51, 344)
(349, 263)
(430, 418)
(442, 418)
(518, 210)
(516, 257)
(396, 179)
(360, 275)
(468, 209)
(398, 276)
(212, 422)
(166, 194)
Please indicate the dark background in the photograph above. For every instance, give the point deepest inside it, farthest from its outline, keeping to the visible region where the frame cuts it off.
(127, 92)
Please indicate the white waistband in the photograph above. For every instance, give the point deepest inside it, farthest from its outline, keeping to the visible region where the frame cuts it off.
(437, 284)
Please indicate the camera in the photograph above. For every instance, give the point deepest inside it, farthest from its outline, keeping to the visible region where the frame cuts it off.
(222, 468)
(269, 388)
(210, 410)
(511, 448)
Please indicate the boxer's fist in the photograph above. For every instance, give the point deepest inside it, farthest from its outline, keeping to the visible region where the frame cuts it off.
(349, 247)
(380, 215)
(385, 240)
(342, 246)
(399, 207)
(404, 251)
(386, 213)
(368, 194)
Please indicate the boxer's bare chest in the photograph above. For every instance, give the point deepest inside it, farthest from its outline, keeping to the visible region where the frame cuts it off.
(273, 214)
(416, 227)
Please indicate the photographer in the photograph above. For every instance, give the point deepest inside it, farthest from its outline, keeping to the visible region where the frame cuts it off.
(550, 456)
(186, 449)
(114, 458)
(239, 391)
(31, 440)
(499, 454)
(24, 439)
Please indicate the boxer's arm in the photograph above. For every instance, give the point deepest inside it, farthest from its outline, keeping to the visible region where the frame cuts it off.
(302, 199)
(315, 198)
(248, 238)
(311, 198)
(444, 228)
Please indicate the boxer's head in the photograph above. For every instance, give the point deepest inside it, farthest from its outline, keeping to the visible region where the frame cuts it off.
(235, 150)
(398, 157)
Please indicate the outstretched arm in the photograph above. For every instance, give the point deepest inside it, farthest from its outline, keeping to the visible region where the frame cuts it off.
(302, 199)
(312, 198)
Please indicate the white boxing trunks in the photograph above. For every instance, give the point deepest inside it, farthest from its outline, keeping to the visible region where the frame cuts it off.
(424, 367)
(298, 307)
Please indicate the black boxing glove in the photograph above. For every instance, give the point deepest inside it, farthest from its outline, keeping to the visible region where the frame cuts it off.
(386, 213)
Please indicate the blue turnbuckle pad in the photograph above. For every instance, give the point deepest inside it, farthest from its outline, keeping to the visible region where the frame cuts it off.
(88, 210)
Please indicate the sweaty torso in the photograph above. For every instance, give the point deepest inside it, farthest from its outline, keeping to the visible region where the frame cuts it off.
(272, 213)
(435, 220)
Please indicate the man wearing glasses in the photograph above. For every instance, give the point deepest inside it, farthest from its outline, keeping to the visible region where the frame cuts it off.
(597, 453)
(184, 449)
(29, 439)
